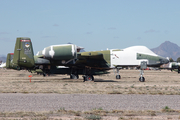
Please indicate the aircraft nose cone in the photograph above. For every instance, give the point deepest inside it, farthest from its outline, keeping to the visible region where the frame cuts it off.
(164, 61)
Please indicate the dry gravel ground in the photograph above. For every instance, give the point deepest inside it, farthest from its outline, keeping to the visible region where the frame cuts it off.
(123, 99)
(162, 82)
(84, 102)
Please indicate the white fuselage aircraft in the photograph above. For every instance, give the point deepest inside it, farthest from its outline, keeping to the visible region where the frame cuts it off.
(133, 56)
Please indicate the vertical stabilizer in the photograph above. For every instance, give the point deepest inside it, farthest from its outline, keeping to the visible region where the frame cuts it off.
(23, 53)
(8, 60)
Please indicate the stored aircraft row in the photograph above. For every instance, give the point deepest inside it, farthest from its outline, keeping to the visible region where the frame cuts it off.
(74, 63)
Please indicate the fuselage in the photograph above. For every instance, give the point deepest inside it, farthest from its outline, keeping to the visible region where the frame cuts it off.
(133, 56)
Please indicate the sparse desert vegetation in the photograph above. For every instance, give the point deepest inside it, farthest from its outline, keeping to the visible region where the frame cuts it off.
(162, 82)
(95, 114)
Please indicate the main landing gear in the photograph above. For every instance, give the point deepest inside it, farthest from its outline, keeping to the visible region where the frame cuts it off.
(88, 78)
(142, 67)
(46, 72)
(74, 74)
(88, 75)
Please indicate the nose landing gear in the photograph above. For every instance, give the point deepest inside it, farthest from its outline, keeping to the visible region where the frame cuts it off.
(143, 66)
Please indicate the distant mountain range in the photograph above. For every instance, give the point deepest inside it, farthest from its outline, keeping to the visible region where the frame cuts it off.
(2, 58)
(168, 49)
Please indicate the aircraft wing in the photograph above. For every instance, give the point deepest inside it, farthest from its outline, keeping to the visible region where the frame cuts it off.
(39, 60)
(90, 55)
(92, 60)
(40, 56)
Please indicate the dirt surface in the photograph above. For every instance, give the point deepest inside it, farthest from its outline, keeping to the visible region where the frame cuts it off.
(162, 82)
(143, 95)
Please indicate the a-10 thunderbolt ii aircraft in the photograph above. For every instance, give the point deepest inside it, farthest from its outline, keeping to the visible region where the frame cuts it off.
(9, 63)
(85, 63)
(172, 66)
(175, 65)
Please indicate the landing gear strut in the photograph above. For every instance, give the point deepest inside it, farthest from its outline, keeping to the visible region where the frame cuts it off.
(87, 75)
(143, 66)
(141, 79)
(45, 70)
(118, 75)
(74, 74)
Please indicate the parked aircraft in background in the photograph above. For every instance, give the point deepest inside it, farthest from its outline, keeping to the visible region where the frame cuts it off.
(172, 66)
(175, 65)
(86, 63)
(9, 64)
(2, 65)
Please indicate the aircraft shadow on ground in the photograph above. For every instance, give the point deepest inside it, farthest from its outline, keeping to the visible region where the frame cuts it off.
(36, 81)
(66, 80)
(101, 80)
(81, 80)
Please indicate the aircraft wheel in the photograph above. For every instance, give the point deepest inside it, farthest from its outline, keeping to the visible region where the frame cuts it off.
(118, 77)
(72, 76)
(141, 79)
(88, 78)
(44, 74)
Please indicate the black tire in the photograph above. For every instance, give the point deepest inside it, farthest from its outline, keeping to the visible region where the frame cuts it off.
(88, 78)
(44, 74)
(118, 77)
(142, 79)
(72, 76)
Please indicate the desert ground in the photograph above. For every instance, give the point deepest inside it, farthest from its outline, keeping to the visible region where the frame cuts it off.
(157, 82)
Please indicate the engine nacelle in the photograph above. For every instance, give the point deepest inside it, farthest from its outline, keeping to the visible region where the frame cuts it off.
(60, 52)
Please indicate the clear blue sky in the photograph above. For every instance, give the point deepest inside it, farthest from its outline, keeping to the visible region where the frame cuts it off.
(92, 24)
